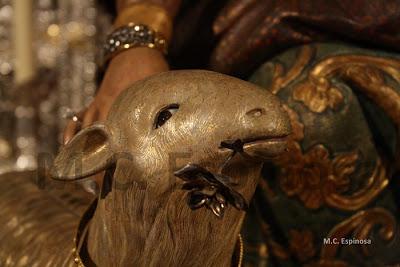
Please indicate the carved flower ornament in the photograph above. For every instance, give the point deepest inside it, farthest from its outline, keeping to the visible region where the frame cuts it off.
(211, 190)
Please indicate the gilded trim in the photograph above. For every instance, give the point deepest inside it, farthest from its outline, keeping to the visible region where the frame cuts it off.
(315, 178)
(318, 94)
(282, 78)
(361, 225)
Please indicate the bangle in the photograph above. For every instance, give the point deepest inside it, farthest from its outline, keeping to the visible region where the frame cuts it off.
(130, 36)
(148, 14)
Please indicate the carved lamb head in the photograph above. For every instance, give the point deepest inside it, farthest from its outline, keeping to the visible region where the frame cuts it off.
(211, 130)
(177, 118)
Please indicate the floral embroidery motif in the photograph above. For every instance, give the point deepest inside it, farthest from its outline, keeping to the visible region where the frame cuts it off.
(311, 175)
(318, 178)
(318, 95)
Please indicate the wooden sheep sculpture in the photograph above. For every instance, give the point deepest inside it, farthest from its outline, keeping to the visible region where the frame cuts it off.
(182, 152)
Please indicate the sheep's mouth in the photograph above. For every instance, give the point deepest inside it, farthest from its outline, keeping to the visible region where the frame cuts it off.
(259, 147)
(265, 148)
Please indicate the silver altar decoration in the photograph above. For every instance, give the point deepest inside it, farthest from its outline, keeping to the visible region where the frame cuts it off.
(77, 66)
(7, 121)
(66, 45)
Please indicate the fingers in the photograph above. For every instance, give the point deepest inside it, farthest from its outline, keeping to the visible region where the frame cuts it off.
(89, 116)
(79, 121)
(73, 126)
(230, 13)
(69, 131)
(230, 47)
(84, 119)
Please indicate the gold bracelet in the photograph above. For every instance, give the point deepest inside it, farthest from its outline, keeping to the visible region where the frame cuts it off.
(131, 36)
(148, 14)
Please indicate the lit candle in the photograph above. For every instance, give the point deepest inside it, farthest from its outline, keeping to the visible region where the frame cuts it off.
(23, 38)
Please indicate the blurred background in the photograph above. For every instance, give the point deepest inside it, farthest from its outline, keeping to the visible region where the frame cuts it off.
(49, 53)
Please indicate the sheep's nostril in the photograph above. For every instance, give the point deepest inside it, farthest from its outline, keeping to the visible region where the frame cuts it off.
(257, 112)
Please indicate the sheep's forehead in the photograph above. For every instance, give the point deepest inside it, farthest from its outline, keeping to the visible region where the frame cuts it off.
(203, 91)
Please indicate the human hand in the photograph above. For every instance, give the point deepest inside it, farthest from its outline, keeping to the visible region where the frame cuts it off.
(126, 68)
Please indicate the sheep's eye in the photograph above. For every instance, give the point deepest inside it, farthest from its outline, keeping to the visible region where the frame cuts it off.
(165, 114)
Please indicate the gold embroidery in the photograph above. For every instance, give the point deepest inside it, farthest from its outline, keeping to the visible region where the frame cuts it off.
(374, 186)
(311, 176)
(281, 79)
(316, 179)
(361, 225)
(371, 81)
(295, 123)
(318, 93)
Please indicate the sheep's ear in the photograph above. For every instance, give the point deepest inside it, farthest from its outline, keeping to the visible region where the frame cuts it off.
(89, 152)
